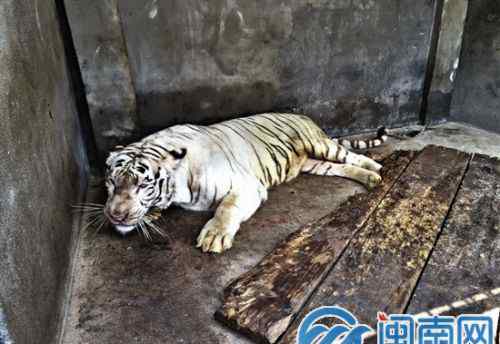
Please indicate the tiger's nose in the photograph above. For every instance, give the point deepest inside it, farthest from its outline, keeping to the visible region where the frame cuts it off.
(117, 215)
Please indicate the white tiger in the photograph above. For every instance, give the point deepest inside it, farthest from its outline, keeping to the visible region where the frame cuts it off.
(228, 167)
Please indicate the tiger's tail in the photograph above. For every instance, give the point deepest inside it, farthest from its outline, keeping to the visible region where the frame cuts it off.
(364, 144)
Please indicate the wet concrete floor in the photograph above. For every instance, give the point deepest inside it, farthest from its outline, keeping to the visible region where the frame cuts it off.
(128, 290)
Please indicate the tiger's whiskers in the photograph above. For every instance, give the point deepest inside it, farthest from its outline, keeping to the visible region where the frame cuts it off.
(144, 230)
(157, 229)
(104, 220)
(89, 208)
(93, 215)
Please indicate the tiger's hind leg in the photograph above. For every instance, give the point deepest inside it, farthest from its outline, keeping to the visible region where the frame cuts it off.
(332, 151)
(369, 179)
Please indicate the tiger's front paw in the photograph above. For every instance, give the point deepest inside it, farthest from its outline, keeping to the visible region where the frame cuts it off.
(214, 238)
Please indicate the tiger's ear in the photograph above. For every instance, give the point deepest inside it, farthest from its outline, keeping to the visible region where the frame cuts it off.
(174, 157)
(110, 158)
(178, 154)
(113, 154)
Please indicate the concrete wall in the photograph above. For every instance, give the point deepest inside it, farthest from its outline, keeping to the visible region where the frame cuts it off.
(105, 70)
(350, 64)
(445, 61)
(42, 170)
(476, 98)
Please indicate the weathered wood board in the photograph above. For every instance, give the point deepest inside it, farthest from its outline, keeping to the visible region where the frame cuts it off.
(381, 266)
(263, 302)
(463, 273)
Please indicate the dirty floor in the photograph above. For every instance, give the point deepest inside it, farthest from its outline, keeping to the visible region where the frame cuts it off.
(127, 290)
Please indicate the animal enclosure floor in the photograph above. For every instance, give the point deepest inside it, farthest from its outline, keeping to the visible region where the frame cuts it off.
(126, 290)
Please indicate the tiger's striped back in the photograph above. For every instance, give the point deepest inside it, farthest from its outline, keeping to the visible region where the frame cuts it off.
(273, 146)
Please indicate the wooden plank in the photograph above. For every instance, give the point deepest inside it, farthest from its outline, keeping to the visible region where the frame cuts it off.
(463, 273)
(382, 264)
(262, 302)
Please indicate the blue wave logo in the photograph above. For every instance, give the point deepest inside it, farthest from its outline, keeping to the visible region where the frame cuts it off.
(346, 330)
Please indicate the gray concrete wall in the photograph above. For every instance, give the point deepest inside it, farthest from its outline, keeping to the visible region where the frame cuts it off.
(105, 70)
(350, 64)
(42, 170)
(476, 98)
(445, 61)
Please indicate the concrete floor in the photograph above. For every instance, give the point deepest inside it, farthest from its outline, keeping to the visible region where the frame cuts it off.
(126, 290)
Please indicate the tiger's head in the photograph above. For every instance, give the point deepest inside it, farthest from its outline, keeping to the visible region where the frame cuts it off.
(137, 179)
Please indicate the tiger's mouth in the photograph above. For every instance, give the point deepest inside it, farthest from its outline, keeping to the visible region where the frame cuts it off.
(126, 221)
(141, 223)
(124, 229)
